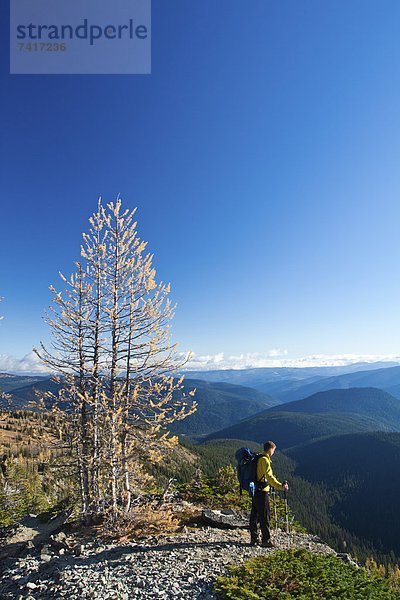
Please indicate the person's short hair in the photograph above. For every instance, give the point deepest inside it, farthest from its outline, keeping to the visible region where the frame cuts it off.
(268, 445)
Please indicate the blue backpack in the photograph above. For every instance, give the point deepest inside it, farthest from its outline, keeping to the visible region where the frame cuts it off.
(247, 469)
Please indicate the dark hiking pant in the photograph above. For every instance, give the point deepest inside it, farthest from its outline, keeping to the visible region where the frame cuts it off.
(260, 513)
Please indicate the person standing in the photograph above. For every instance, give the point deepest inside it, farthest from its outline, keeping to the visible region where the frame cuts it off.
(260, 508)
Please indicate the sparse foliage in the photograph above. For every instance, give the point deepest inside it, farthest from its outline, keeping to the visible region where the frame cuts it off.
(111, 347)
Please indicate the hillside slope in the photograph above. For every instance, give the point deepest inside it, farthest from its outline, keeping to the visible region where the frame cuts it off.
(293, 429)
(368, 402)
(362, 473)
(220, 405)
(329, 413)
(25, 397)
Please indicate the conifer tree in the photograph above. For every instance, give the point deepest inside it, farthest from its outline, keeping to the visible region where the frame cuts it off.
(111, 348)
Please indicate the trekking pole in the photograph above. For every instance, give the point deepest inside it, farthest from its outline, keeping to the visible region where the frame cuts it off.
(286, 512)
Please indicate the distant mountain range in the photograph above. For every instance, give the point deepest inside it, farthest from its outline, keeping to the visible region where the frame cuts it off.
(294, 383)
(25, 397)
(283, 383)
(229, 409)
(11, 382)
(387, 379)
(324, 414)
(218, 404)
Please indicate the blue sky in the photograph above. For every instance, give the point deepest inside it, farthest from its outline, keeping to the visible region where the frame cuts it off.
(263, 156)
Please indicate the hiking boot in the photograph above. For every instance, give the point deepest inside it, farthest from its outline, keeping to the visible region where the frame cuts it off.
(254, 542)
(267, 544)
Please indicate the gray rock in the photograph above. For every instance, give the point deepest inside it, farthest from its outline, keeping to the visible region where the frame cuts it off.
(227, 518)
(46, 557)
(347, 559)
(175, 566)
(31, 586)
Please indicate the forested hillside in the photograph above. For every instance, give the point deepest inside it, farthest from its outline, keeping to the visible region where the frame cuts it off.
(348, 502)
(220, 405)
(361, 473)
(368, 402)
(293, 429)
(328, 413)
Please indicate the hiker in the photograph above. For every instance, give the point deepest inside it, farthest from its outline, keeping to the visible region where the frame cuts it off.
(260, 509)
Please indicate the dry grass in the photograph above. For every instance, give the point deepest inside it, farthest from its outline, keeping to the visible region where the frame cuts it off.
(140, 522)
(28, 435)
(148, 519)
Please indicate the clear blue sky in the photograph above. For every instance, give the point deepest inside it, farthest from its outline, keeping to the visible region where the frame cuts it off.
(262, 154)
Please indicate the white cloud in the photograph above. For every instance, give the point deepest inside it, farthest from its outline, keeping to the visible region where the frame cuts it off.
(277, 352)
(29, 363)
(274, 358)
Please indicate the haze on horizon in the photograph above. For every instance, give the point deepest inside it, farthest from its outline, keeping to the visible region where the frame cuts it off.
(31, 365)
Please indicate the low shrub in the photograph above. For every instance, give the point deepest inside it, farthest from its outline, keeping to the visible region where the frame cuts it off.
(304, 575)
(220, 491)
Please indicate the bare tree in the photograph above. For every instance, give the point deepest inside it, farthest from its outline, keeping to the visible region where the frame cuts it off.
(111, 345)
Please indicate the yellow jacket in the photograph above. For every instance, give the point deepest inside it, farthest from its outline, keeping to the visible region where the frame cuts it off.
(265, 474)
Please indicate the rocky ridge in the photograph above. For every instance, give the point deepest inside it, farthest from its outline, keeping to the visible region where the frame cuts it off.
(182, 565)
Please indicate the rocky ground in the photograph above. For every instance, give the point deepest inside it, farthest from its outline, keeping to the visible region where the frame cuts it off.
(181, 565)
